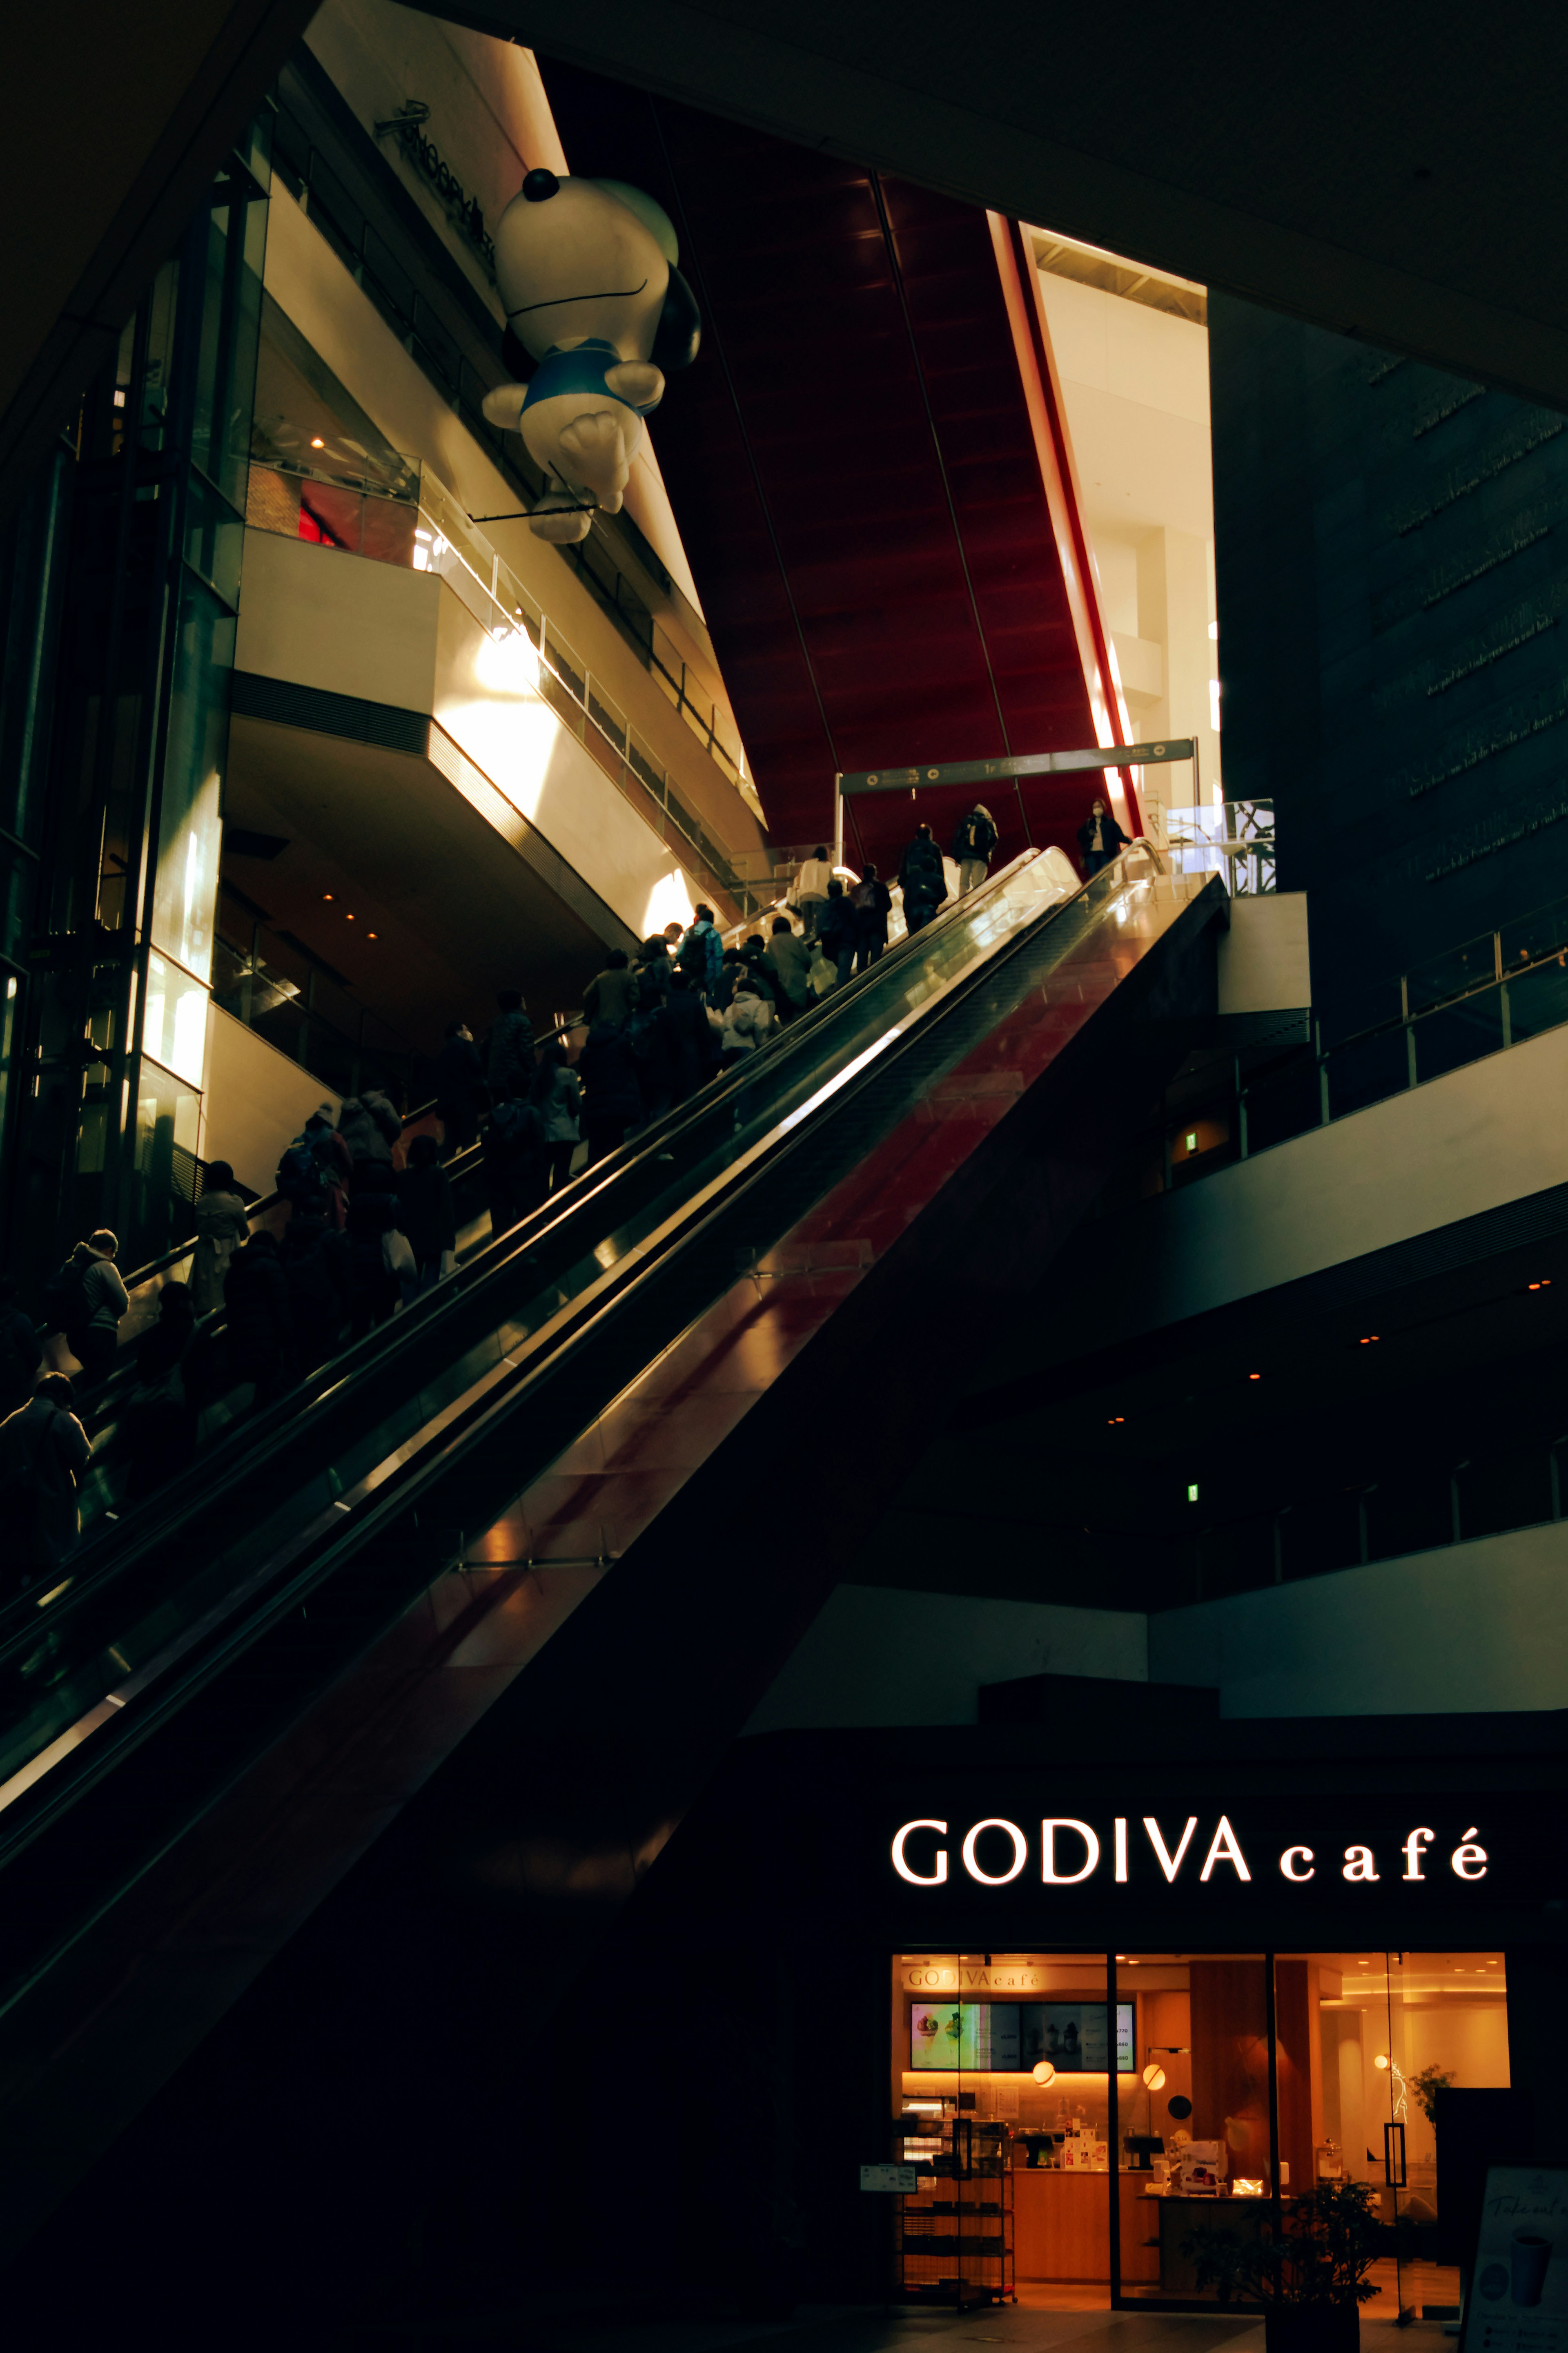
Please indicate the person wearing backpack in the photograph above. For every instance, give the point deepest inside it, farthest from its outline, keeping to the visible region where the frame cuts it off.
(702, 952)
(20, 1353)
(222, 1228)
(85, 1300)
(922, 880)
(973, 844)
(318, 1162)
(44, 1454)
(369, 1127)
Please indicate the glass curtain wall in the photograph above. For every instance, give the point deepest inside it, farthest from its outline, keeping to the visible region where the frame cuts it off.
(137, 719)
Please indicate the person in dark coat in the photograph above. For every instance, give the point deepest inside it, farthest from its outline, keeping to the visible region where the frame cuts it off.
(44, 1455)
(378, 1257)
(509, 1054)
(425, 1200)
(314, 1255)
(611, 994)
(653, 971)
(922, 880)
(835, 929)
(692, 1049)
(1100, 838)
(872, 902)
(731, 970)
(612, 1098)
(21, 1352)
(368, 1126)
(260, 1325)
(788, 963)
(460, 1090)
(161, 1416)
(517, 1163)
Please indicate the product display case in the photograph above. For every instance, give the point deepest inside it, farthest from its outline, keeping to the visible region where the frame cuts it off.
(954, 2233)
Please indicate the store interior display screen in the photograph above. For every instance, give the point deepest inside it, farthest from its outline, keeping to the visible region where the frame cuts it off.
(1008, 2037)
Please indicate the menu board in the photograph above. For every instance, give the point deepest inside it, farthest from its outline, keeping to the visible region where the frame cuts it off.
(1010, 2036)
(1518, 2294)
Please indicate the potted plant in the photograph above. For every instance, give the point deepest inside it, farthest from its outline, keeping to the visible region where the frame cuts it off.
(1309, 2271)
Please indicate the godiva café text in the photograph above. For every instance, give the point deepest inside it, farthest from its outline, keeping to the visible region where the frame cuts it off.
(1069, 1853)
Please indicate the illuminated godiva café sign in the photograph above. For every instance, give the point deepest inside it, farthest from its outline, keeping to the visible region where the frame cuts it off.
(1060, 1850)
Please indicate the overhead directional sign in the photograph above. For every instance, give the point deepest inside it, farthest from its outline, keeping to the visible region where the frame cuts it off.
(1027, 764)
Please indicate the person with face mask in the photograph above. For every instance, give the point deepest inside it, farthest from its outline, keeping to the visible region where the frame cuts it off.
(1100, 838)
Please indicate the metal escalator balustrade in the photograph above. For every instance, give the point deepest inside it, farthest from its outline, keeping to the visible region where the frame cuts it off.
(532, 1341)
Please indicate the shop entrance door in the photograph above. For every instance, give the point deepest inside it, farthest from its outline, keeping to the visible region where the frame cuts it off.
(1394, 2064)
(1446, 2027)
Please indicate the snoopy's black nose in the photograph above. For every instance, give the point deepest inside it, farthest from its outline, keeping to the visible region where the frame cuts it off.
(539, 184)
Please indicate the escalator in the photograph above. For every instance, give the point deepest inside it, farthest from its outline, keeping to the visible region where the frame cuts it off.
(752, 1302)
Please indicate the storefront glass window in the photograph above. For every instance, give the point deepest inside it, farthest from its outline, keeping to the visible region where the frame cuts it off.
(1367, 2042)
(1194, 2143)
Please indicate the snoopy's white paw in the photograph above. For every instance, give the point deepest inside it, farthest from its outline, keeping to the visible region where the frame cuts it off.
(595, 444)
(560, 530)
(503, 407)
(559, 518)
(638, 381)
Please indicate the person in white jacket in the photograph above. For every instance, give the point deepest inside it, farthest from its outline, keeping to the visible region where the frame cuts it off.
(747, 1021)
(811, 887)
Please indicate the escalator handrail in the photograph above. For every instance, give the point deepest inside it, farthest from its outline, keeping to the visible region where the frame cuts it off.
(233, 1455)
(237, 1453)
(394, 1484)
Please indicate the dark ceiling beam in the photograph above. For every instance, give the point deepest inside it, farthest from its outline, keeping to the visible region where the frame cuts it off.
(1387, 173)
(119, 121)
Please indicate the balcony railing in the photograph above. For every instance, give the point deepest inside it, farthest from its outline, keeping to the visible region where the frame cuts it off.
(1486, 995)
(423, 528)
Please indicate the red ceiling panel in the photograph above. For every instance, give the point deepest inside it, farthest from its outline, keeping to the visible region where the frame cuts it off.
(855, 470)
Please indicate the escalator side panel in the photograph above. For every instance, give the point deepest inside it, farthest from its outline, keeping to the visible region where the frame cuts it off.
(397, 2031)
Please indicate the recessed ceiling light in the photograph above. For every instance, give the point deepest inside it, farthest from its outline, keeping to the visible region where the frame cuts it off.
(318, 443)
(327, 896)
(347, 917)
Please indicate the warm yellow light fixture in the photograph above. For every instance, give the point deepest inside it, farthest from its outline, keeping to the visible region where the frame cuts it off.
(1155, 2076)
(1380, 2059)
(318, 443)
(1044, 2071)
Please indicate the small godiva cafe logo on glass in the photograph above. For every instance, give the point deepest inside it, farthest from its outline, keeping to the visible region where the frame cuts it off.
(996, 1851)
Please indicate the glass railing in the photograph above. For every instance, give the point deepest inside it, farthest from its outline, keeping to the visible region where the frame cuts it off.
(423, 528)
(277, 990)
(1234, 839)
(642, 1227)
(1415, 1507)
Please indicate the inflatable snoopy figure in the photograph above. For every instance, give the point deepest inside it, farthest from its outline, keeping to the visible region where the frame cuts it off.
(597, 313)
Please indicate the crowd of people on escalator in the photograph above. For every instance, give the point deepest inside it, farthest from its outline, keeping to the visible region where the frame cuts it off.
(371, 1216)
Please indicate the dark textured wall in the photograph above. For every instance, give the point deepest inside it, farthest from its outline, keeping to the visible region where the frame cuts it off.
(1392, 547)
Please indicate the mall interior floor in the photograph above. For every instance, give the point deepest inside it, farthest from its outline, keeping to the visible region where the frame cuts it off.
(1039, 2322)
(860, 2331)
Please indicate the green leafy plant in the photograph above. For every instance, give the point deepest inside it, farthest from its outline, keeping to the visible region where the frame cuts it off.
(1426, 2086)
(1320, 2252)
